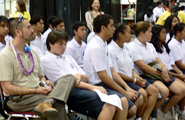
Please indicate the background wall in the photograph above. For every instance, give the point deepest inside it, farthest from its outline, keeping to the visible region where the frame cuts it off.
(71, 10)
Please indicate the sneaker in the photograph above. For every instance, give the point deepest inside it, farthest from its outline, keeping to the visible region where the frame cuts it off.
(151, 118)
(139, 118)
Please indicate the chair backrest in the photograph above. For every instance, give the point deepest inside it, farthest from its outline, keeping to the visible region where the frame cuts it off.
(2, 111)
(9, 113)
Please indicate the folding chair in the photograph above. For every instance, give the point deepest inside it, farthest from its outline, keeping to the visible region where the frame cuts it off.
(19, 115)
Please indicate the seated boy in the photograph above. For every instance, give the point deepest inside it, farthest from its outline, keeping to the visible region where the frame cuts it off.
(58, 23)
(83, 98)
(37, 22)
(76, 47)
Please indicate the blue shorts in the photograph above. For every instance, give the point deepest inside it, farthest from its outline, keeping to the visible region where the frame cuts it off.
(137, 87)
(152, 80)
(85, 102)
(110, 92)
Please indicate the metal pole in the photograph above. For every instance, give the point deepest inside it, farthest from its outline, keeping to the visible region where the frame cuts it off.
(121, 11)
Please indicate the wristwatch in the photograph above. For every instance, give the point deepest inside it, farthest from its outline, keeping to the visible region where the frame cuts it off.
(135, 79)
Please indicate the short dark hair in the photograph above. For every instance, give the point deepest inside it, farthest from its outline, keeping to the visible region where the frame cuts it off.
(119, 28)
(77, 24)
(35, 19)
(57, 21)
(101, 20)
(50, 19)
(55, 36)
(159, 2)
(155, 39)
(3, 19)
(178, 27)
(22, 6)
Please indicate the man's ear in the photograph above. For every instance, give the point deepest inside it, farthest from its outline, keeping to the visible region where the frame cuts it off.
(74, 31)
(103, 28)
(18, 32)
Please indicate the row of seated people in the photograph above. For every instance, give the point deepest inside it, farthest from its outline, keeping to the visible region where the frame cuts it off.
(105, 67)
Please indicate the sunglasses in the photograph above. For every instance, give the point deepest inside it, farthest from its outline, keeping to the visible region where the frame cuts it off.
(20, 20)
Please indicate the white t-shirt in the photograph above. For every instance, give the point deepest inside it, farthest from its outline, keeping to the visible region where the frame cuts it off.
(121, 59)
(40, 43)
(57, 66)
(76, 51)
(166, 59)
(90, 36)
(158, 11)
(177, 50)
(8, 38)
(96, 59)
(139, 52)
(2, 46)
(151, 18)
(39, 52)
(45, 34)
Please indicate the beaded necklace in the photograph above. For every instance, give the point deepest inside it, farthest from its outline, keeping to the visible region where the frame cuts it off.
(19, 60)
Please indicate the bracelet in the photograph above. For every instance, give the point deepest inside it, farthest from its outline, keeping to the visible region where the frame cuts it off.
(135, 79)
(35, 91)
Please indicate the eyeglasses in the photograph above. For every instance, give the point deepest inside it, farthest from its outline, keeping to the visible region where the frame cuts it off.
(20, 20)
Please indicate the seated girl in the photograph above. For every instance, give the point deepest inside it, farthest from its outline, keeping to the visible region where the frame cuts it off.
(162, 48)
(170, 22)
(149, 66)
(123, 64)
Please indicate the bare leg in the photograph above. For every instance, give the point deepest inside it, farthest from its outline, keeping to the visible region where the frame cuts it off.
(121, 114)
(163, 90)
(140, 110)
(178, 95)
(132, 111)
(107, 112)
(182, 102)
(139, 102)
(152, 92)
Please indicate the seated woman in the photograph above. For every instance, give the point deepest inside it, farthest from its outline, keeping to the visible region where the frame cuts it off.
(83, 98)
(123, 64)
(149, 66)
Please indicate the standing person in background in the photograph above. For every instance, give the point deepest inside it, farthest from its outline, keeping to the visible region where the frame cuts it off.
(21, 10)
(158, 10)
(37, 22)
(92, 13)
(3, 31)
(167, 13)
(170, 22)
